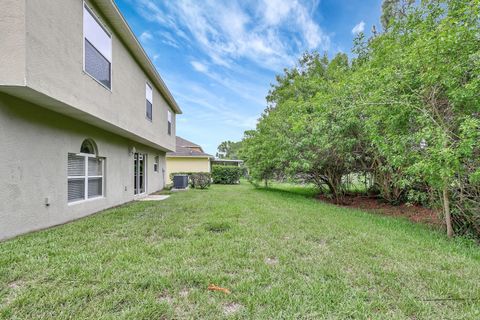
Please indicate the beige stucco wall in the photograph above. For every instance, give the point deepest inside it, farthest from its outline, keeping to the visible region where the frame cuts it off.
(35, 143)
(12, 42)
(186, 164)
(44, 52)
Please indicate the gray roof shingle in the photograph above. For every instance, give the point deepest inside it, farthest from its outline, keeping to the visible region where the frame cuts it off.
(185, 148)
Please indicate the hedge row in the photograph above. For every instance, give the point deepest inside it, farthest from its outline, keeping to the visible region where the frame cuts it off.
(226, 174)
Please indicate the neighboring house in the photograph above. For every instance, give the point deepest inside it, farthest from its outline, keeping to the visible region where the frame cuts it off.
(188, 157)
(227, 162)
(85, 119)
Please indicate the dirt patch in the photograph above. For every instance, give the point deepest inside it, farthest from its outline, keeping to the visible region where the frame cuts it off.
(165, 297)
(414, 213)
(184, 292)
(15, 285)
(231, 308)
(271, 261)
(319, 241)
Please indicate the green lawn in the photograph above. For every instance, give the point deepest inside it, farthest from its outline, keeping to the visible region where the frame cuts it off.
(282, 254)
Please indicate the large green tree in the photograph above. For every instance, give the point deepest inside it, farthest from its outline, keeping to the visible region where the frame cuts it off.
(405, 111)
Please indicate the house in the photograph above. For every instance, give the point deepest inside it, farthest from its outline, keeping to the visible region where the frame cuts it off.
(188, 157)
(227, 162)
(85, 118)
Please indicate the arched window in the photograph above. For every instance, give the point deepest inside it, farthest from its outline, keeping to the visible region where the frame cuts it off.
(88, 147)
(85, 173)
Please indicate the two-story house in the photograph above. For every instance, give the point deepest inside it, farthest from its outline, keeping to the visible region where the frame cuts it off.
(85, 118)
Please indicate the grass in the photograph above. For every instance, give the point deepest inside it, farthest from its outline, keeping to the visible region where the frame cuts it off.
(283, 255)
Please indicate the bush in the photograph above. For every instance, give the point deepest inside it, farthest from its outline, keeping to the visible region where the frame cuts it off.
(226, 174)
(200, 180)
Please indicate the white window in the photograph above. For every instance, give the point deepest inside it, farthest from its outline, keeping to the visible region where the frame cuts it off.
(85, 174)
(97, 49)
(169, 123)
(149, 98)
(156, 163)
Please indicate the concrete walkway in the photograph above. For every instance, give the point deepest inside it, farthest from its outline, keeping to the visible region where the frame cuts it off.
(154, 197)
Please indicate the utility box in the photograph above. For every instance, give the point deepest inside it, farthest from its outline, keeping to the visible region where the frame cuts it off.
(180, 181)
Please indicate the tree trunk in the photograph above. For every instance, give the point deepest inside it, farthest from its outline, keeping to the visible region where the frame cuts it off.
(266, 183)
(446, 210)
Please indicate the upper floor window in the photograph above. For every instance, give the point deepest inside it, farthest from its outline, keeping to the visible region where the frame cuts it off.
(169, 123)
(97, 49)
(149, 98)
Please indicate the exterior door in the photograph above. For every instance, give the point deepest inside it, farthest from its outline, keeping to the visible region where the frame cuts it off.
(139, 173)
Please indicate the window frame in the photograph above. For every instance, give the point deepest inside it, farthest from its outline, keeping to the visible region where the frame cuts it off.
(104, 28)
(151, 102)
(169, 122)
(156, 164)
(86, 177)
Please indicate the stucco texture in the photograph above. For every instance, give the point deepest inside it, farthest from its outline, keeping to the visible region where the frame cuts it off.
(43, 56)
(35, 144)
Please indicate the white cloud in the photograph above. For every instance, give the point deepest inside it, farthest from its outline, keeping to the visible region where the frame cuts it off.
(167, 38)
(206, 105)
(145, 36)
(360, 27)
(260, 31)
(198, 66)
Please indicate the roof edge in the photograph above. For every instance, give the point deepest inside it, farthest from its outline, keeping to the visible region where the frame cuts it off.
(111, 11)
(185, 156)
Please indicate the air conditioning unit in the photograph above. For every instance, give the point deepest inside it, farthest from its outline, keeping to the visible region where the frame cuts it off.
(180, 181)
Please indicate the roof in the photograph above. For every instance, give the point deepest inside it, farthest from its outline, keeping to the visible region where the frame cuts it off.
(120, 25)
(227, 160)
(185, 148)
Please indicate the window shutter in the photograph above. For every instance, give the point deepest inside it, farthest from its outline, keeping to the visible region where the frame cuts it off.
(84, 185)
(94, 167)
(76, 189)
(76, 165)
(94, 187)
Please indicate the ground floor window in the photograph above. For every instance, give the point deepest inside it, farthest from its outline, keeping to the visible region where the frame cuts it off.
(139, 173)
(156, 163)
(85, 174)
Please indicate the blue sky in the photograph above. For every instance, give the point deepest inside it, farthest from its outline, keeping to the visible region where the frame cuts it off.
(218, 58)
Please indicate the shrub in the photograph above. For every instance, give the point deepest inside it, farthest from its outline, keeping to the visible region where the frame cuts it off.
(200, 180)
(226, 174)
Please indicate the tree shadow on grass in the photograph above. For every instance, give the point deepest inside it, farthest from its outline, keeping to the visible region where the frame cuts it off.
(290, 190)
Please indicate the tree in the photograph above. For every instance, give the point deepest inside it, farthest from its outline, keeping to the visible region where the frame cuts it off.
(394, 9)
(228, 150)
(406, 112)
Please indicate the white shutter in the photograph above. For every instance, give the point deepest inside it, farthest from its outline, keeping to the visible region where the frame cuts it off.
(94, 167)
(95, 187)
(85, 177)
(76, 165)
(76, 189)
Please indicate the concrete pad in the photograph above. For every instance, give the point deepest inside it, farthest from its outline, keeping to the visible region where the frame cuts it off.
(177, 190)
(154, 197)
